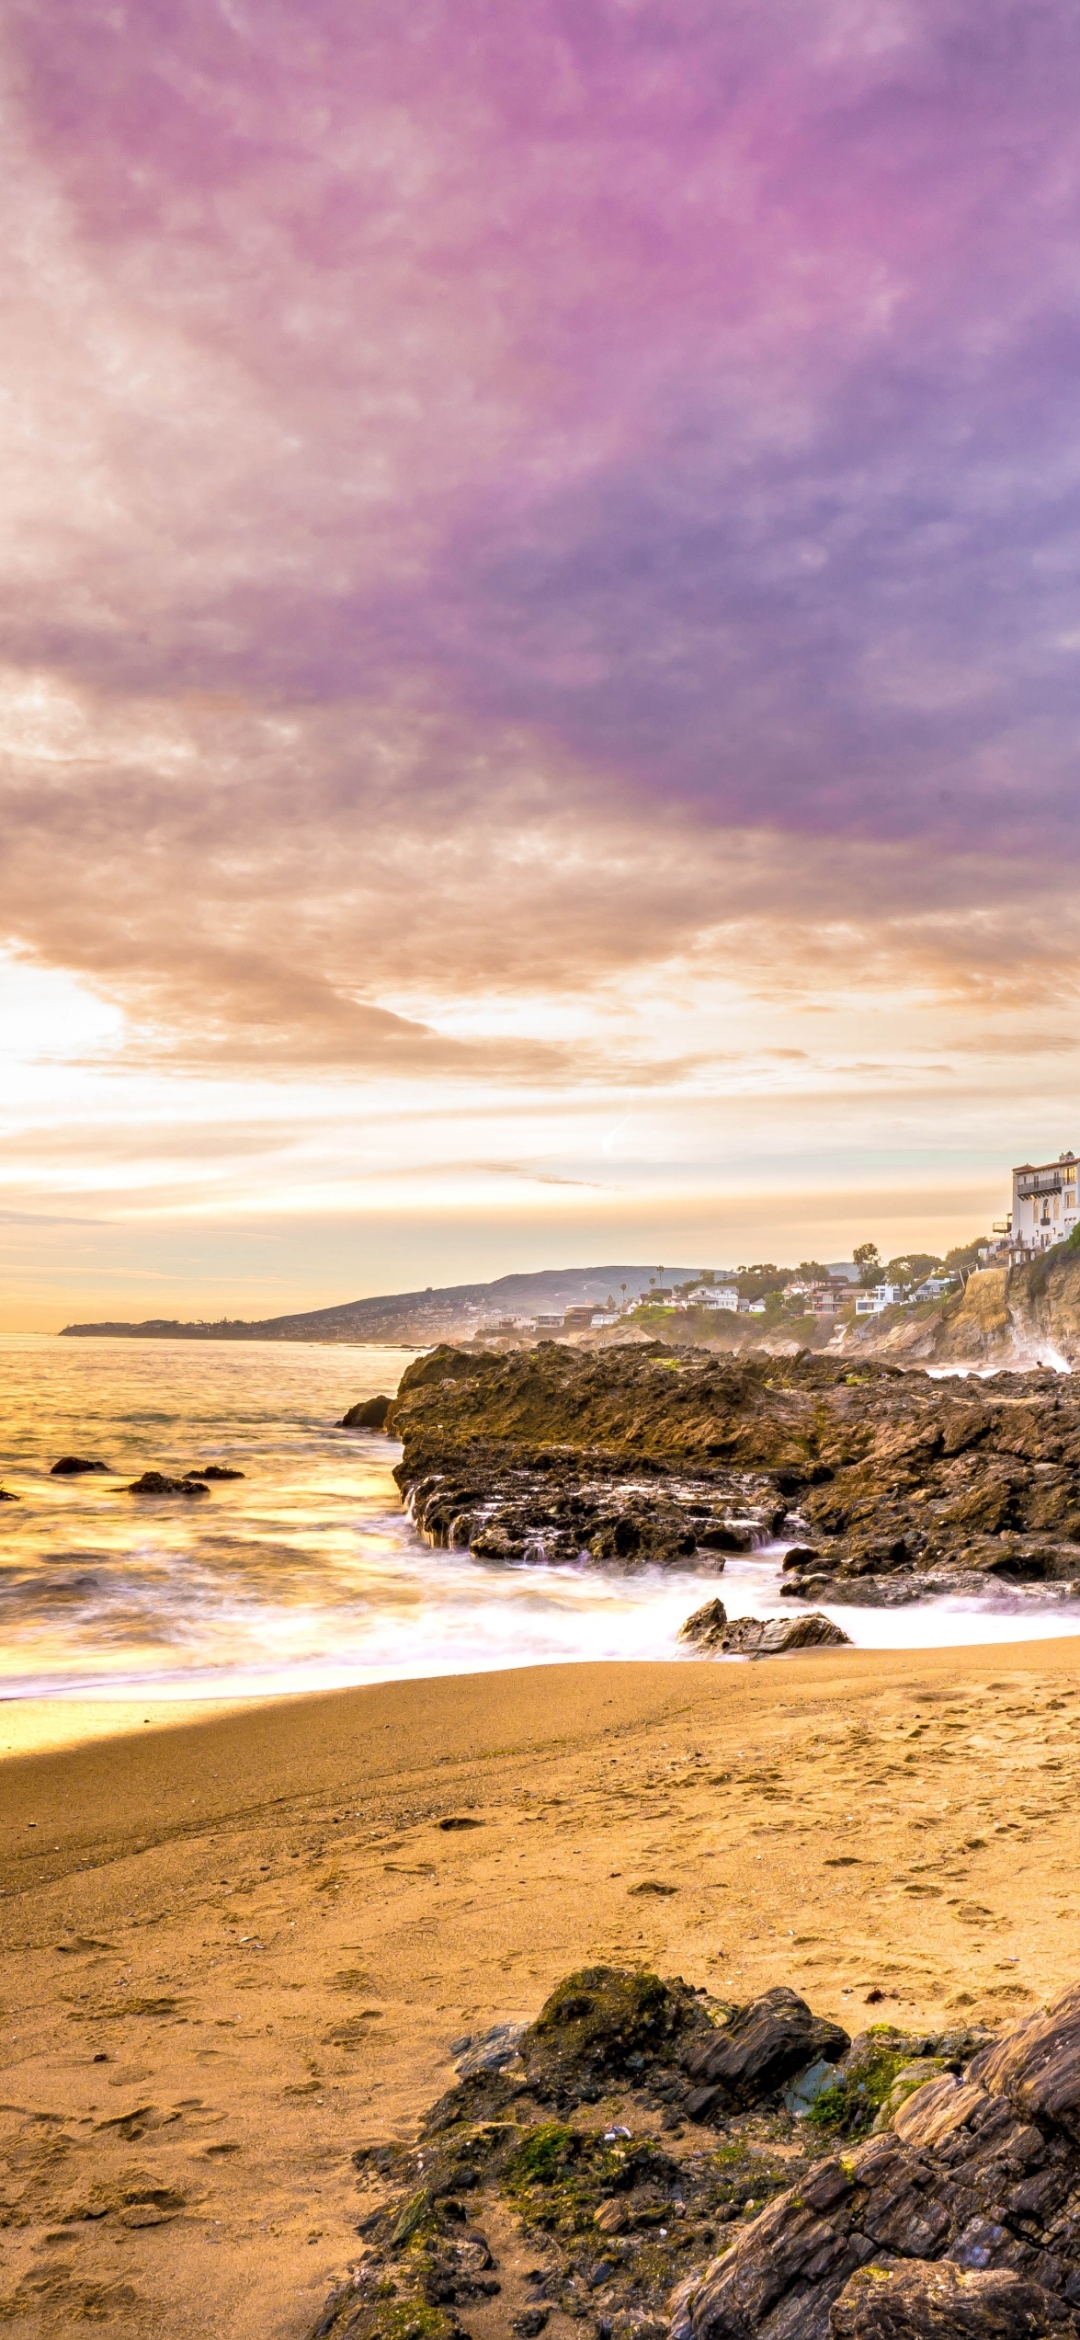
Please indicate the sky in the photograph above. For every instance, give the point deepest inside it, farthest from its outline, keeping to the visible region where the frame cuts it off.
(539, 637)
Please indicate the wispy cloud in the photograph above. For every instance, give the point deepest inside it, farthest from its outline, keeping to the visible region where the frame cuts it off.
(539, 547)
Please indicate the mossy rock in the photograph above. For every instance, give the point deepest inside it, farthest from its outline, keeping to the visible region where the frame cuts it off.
(604, 2024)
(559, 2177)
(346, 2317)
(870, 2087)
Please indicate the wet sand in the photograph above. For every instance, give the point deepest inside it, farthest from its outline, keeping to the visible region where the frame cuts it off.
(238, 1944)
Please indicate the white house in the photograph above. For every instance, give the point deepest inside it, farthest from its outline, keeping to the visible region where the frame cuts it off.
(715, 1296)
(882, 1296)
(1043, 1206)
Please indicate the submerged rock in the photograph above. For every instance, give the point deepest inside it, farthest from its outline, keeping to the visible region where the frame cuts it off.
(156, 1483)
(73, 1466)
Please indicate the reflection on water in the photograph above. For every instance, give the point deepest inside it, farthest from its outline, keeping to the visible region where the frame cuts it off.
(304, 1574)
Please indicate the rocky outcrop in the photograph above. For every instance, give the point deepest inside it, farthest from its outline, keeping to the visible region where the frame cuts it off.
(799, 2187)
(942, 2302)
(886, 1485)
(74, 1466)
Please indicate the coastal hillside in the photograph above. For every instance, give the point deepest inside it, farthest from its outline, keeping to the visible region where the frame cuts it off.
(1013, 1318)
(437, 1313)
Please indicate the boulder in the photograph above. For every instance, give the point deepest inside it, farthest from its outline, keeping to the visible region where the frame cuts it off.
(74, 1466)
(707, 1627)
(601, 2024)
(370, 1414)
(759, 2051)
(710, 1628)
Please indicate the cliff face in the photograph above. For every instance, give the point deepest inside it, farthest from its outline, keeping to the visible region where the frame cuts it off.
(888, 1485)
(1015, 1318)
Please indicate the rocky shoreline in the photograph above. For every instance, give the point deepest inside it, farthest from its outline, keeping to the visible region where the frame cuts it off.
(644, 2161)
(887, 1485)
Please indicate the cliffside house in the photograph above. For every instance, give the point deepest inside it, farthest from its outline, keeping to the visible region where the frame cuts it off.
(715, 1296)
(882, 1296)
(1043, 1207)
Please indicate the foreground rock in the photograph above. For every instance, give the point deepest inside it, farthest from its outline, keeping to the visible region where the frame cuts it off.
(74, 1466)
(885, 1485)
(980, 2170)
(651, 2160)
(711, 1629)
(927, 2302)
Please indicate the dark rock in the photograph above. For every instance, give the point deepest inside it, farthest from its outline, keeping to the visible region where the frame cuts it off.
(156, 1483)
(74, 1466)
(707, 1627)
(760, 2049)
(960, 2220)
(458, 1820)
(7, 1495)
(943, 2302)
(370, 1414)
(800, 1556)
(214, 1471)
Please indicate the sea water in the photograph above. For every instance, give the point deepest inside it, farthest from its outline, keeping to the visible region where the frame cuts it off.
(306, 1574)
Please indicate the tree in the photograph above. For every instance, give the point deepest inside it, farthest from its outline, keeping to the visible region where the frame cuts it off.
(812, 1270)
(965, 1256)
(911, 1267)
(867, 1258)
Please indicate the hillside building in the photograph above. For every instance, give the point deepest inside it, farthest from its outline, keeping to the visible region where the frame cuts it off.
(1044, 1208)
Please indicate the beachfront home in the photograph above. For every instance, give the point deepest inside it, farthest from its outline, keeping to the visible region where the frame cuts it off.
(715, 1296)
(882, 1296)
(1043, 1206)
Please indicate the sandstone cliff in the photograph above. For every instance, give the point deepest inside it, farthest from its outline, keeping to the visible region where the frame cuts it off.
(1012, 1317)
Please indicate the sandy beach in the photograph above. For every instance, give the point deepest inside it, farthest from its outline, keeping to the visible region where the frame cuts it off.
(237, 1944)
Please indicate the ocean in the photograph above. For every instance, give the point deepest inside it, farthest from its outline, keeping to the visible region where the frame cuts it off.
(305, 1574)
